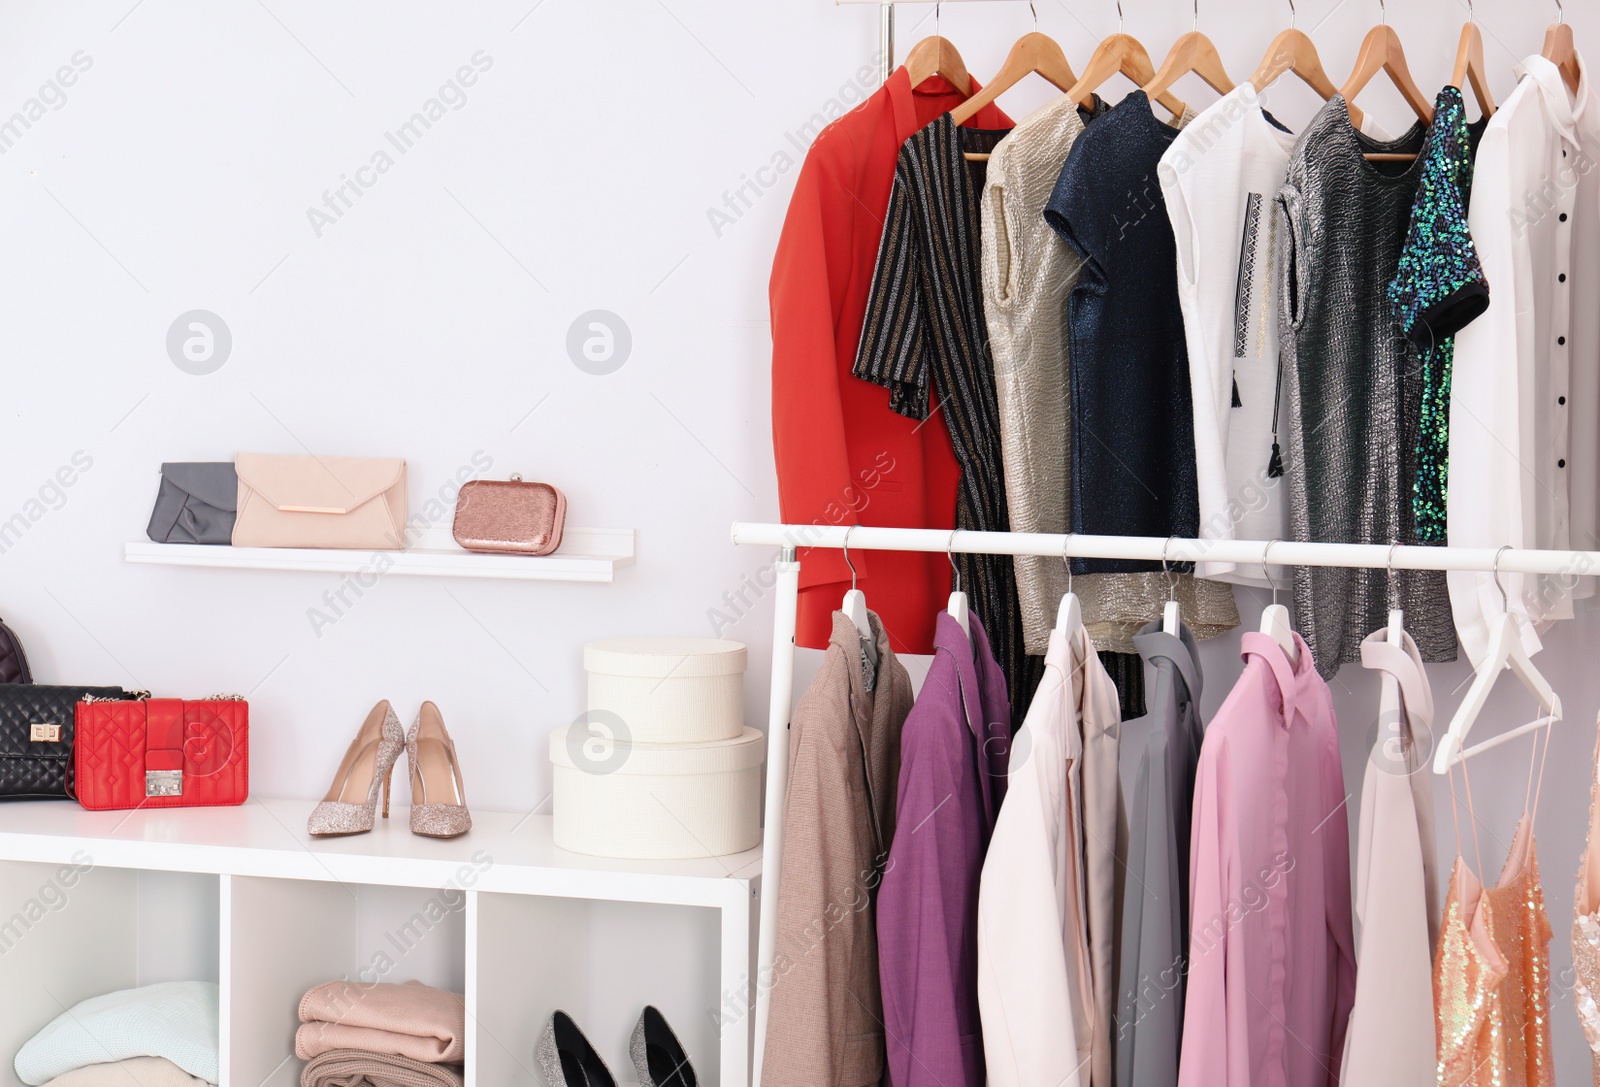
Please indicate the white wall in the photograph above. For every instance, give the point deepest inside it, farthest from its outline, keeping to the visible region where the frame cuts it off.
(584, 171)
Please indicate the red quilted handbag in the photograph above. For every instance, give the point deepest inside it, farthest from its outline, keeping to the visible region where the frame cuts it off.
(162, 753)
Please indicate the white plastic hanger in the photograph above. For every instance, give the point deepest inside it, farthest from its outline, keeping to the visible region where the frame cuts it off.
(958, 599)
(1505, 651)
(1275, 617)
(855, 601)
(1069, 616)
(1170, 617)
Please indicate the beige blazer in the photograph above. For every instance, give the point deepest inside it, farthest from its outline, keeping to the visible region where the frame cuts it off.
(825, 1024)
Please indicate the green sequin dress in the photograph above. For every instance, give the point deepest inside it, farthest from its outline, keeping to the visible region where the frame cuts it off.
(1437, 291)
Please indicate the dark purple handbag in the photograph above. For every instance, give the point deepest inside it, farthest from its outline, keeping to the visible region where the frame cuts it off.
(13, 661)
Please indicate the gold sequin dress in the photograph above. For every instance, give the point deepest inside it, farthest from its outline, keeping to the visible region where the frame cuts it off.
(1522, 932)
(1586, 927)
(1468, 972)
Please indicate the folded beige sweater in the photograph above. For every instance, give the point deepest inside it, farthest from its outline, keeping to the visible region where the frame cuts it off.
(133, 1072)
(411, 1020)
(353, 1068)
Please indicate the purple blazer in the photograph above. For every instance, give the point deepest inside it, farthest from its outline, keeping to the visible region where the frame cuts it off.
(954, 753)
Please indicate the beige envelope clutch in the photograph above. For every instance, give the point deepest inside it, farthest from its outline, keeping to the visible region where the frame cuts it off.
(343, 502)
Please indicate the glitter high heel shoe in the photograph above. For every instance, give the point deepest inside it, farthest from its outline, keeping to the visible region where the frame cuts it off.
(352, 800)
(567, 1059)
(438, 797)
(658, 1057)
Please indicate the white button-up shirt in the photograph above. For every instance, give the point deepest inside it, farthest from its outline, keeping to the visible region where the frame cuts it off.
(1525, 393)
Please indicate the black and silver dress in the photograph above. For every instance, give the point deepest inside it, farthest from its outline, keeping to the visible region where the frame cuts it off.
(1351, 385)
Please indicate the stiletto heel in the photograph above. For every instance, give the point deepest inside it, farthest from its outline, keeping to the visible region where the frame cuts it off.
(352, 801)
(438, 796)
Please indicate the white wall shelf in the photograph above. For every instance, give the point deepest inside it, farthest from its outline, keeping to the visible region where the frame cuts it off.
(586, 554)
(520, 926)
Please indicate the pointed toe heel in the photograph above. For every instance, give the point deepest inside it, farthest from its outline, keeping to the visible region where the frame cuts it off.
(658, 1056)
(362, 781)
(567, 1059)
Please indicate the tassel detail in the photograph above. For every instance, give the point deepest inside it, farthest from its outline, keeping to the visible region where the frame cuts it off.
(1275, 465)
(1236, 401)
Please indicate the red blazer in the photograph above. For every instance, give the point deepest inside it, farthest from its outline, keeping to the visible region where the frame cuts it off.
(843, 456)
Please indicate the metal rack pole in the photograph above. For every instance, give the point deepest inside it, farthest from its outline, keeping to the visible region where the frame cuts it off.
(785, 619)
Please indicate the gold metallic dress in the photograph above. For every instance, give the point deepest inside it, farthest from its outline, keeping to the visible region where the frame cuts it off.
(1491, 976)
(1586, 927)
(1468, 972)
(1522, 934)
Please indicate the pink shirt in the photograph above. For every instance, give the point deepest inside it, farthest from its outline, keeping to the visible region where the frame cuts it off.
(1271, 957)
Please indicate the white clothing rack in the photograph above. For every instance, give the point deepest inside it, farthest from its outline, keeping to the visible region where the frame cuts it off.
(1147, 548)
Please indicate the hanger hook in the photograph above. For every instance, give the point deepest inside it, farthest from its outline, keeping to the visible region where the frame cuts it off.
(1119, 15)
(1266, 568)
(1472, 12)
(936, 7)
(1561, 12)
(1196, 15)
(1294, 14)
(1394, 592)
(1383, 12)
(847, 561)
(1035, 16)
(950, 554)
(1066, 560)
(1172, 579)
(1505, 604)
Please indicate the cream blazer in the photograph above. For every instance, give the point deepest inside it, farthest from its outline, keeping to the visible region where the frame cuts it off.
(1046, 1021)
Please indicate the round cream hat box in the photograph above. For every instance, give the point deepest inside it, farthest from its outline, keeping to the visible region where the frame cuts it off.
(654, 801)
(669, 690)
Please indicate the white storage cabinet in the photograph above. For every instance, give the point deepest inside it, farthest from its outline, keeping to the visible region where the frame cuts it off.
(96, 901)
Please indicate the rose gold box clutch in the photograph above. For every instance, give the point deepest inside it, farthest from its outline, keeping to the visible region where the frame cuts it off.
(509, 516)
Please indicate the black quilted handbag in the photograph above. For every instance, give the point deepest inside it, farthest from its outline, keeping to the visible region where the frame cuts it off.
(36, 727)
(13, 661)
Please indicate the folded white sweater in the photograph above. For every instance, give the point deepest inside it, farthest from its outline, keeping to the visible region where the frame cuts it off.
(174, 1019)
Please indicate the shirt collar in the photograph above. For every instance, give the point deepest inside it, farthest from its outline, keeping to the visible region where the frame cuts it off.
(1156, 645)
(1564, 107)
(908, 123)
(1289, 676)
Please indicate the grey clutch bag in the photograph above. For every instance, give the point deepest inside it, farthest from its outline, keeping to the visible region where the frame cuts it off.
(196, 504)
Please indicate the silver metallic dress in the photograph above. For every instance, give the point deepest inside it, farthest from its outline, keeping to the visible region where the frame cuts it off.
(1351, 386)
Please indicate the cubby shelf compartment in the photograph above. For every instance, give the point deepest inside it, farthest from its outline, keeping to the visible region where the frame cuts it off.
(245, 896)
(586, 554)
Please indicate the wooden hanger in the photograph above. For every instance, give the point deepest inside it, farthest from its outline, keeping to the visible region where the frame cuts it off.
(1381, 51)
(1121, 53)
(1034, 53)
(1505, 651)
(1193, 52)
(1293, 52)
(1559, 49)
(1470, 65)
(935, 56)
